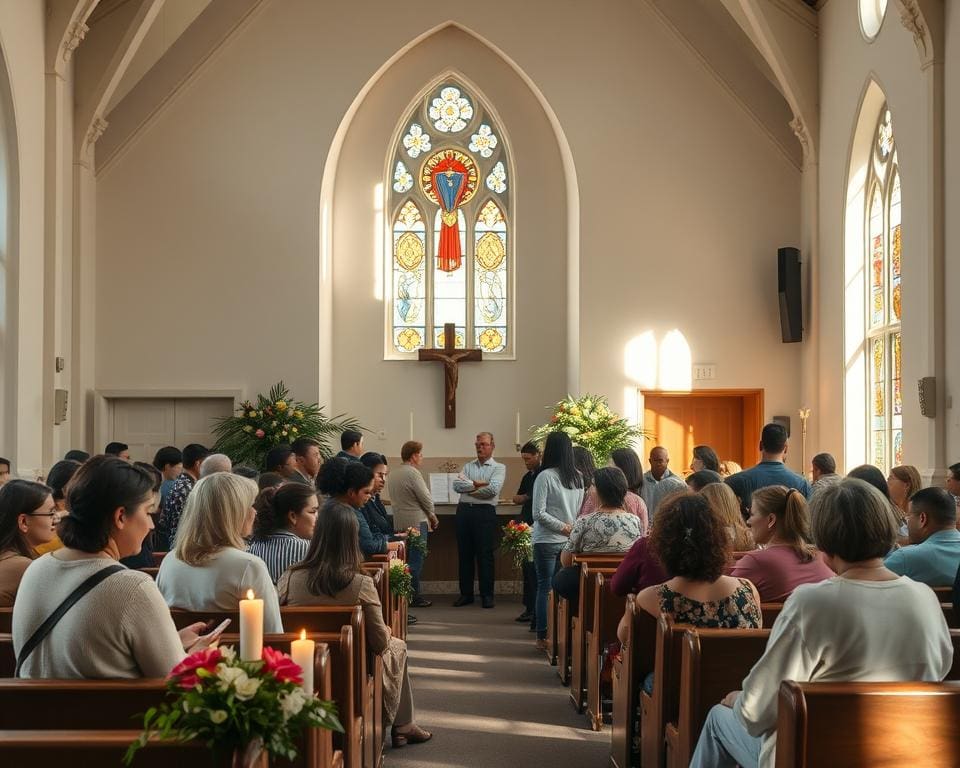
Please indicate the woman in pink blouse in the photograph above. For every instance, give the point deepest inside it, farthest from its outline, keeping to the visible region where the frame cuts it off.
(780, 524)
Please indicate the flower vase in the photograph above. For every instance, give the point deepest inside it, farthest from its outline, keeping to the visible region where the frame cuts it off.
(251, 755)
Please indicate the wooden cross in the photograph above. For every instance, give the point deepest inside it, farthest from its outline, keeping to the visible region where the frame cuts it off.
(451, 357)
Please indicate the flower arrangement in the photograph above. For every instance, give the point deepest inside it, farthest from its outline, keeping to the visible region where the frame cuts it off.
(228, 703)
(518, 540)
(416, 541)
(401, 580)
(591, 424)
(273, 419)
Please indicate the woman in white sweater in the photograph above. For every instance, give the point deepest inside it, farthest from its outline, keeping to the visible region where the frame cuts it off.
(208, 568)
(897, 631)
(557, 497)
(121, 628)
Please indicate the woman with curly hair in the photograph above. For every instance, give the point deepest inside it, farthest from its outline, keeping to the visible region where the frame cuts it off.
(692, 543)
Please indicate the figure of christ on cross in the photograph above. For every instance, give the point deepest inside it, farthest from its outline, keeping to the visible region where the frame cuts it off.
(451, 357)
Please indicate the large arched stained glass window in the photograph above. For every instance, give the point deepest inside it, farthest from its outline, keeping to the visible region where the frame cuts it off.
(450, 201)
(883, 253)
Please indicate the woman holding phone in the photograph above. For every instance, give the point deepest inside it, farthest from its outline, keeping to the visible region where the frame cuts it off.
(121, 626)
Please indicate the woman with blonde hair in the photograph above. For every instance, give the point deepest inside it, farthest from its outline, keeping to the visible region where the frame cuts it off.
(729, 467)
(723, 501)
(780, 523)
(209, 568)
(903, 482)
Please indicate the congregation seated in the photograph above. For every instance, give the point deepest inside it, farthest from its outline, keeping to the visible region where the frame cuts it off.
(692, 544)
(144, 558)
(610, 529)
(870, 474)
(174, 501)
(28, 519)
(700, 479)
(208, 568)
(284, 524)
(933, 554)
(57, 478)
(903, 482)
(823, 470)
(638, 570)
(780, 523)
(168, 461)
(627, 461)
(374, 510)
(704, 457)
(724, 503)
(729, 467)
(896, 633)
(350, 482)
(332, 574)
(270, 480)
(122, 627)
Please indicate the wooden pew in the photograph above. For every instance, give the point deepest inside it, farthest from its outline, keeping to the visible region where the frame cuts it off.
(552, 646)
(579, 624)
(868, 725)
(34, 711)
(325, 618)
(8, 659)
(949, 615)
(607, 610)
(158, 558)
(944, 594)
(770, 611)
(662, 706)
(567, 612)
(6, 620)
(713, 663)
(629, 671)
(151, 572)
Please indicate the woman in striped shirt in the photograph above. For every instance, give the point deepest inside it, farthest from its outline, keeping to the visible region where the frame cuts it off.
(286, 516)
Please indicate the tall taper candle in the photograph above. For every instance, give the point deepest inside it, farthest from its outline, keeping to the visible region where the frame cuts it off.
(411, 425)
(517, 441)
(251, 628)
(301, 651)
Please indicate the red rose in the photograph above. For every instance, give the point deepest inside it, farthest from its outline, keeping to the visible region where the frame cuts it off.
(281, 666)
(185, 673)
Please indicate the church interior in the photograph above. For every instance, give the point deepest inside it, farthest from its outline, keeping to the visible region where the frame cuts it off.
(474, 234)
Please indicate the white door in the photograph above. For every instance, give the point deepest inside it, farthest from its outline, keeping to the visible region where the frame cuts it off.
(147, 424)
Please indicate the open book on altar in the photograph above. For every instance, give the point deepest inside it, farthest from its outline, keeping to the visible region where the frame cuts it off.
(441, 487)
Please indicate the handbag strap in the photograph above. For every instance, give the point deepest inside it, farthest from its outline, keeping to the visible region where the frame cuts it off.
(44, 629)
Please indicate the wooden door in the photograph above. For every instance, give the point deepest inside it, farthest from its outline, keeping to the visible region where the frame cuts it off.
(147, 424)
(679, 422)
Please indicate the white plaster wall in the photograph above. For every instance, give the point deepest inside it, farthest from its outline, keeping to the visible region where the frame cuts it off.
(847, 62)
(952, 223)
(22, 42)
(208, 223)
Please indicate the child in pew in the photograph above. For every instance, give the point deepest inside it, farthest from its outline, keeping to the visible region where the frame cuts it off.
(121, 628)
(332, 574)
(610, 528)
(691, 542)
(897, 632)
(209, 568)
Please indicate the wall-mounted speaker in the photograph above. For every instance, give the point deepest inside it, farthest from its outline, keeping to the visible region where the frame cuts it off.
(927, 390)
(788, 286)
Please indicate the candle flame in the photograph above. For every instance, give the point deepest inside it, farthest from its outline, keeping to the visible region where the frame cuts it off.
(249, 594)
(303, 634)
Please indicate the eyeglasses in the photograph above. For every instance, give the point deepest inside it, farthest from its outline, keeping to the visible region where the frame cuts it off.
(43, 514)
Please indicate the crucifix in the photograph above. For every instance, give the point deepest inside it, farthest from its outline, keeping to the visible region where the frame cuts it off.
(451, 357)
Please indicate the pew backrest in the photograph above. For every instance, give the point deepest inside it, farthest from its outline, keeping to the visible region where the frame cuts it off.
(861, 725)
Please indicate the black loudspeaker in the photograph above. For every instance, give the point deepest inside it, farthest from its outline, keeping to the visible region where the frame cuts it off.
(788, 285)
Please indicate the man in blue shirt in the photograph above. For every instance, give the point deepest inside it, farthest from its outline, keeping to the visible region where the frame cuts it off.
(770, 470)
(933, 554)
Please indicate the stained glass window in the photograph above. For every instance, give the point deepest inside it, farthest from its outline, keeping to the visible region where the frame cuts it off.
(882, 254)
(451, 258)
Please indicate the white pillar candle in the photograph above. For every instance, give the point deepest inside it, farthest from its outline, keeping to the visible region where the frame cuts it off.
(517, 441)
(411, 425)
(251, 628)
(301, 651)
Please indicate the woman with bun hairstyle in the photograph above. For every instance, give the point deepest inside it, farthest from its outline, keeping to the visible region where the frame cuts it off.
(286, 517)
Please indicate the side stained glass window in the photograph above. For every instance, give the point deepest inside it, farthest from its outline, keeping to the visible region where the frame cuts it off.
(450, 196)
(882, 254)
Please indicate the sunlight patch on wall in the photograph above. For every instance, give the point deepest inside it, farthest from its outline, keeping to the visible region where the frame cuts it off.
(640, 360)
(675, 362)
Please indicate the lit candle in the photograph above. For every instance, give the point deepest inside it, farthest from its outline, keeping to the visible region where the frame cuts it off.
(301, 651)
(251, 628)
(411, 425)
(517, 441)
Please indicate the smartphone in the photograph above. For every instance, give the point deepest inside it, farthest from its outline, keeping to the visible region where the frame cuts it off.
(217, 631)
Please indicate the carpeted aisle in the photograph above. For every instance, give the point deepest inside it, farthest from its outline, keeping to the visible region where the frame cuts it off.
(489, 696)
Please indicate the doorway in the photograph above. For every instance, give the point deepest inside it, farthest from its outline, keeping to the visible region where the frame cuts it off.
(728, 420)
